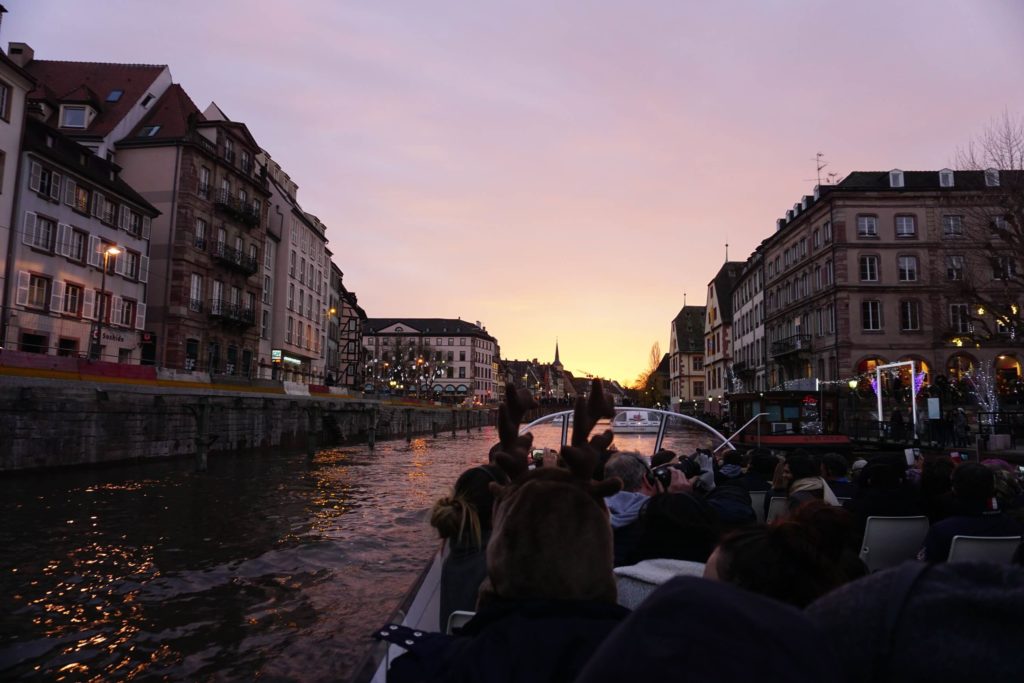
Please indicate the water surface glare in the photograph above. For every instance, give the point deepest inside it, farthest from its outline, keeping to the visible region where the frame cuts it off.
(266, 565)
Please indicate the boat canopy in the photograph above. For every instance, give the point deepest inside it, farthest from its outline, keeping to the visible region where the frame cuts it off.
(644, 430)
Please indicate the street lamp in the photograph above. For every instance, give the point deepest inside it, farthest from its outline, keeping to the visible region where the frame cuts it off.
(94, 352)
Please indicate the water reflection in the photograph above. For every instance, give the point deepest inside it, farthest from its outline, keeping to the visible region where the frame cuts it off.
(270, 565)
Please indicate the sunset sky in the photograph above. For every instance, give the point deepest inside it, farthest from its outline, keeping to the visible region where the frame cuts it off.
(562, 169)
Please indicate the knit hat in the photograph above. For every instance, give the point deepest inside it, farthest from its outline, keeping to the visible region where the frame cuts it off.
(707, 631)
(949, 622)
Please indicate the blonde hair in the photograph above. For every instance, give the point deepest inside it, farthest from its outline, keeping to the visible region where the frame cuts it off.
(453, 516)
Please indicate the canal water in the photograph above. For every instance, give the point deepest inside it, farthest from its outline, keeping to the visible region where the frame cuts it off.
(268, 565)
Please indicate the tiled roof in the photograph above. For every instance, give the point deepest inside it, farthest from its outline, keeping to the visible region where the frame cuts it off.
(689, 325)
(63, 79)
(917, 181)
(69, 154)
(434, 326)
(171, 112)
(725, 280)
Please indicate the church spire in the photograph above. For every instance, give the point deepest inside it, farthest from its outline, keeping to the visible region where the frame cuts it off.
(557, 362)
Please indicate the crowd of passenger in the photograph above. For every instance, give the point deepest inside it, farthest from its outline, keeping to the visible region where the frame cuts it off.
(596, 565)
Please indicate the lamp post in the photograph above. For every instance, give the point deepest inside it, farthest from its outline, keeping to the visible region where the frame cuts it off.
(94, 351)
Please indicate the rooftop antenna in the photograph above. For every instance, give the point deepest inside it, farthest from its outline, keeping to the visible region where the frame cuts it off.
(726, 252)
(684, 299)
(820, 164)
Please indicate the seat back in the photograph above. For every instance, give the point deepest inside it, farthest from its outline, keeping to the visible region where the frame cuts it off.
(889, 541)
(999, 549)
(757, 501)
(458, 619)
(777, 507)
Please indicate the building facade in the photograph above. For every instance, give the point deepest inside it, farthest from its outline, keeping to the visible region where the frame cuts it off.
(80, 254)
(749, 365)
(15, 85)
(209, 240)
(718, 337)
(447, 359)
(871, 271)
(686, 360)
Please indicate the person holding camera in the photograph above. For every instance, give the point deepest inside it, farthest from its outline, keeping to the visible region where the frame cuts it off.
(639, 483)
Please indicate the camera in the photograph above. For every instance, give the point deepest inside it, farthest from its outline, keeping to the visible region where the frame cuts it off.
(688, 466)
(538, 456)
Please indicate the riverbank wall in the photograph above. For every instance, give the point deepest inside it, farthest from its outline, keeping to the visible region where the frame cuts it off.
(47, 422)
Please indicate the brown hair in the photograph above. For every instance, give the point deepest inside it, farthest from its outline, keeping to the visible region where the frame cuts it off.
(464, 516)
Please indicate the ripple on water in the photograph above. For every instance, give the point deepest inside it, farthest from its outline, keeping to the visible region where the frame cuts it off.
(267, 565)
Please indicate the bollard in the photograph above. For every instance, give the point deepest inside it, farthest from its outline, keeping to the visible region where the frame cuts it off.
(408, 426)
(433, 427)
(202, 424)
(455, 421)
(312, 412)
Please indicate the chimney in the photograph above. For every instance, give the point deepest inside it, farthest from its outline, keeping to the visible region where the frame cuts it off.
(20, 53)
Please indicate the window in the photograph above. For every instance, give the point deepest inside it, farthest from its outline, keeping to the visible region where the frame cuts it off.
(991, 177)
(952, 226)
(204, 182)
(895, 178)
(267, 284)
(127, 313)
(288, 330)
(229, 149)
(954, 267)
(291, 296)
(149, 131)
(38, 291)
(39, 232)
(910, 316)
(959, 318)
(5, 101)
(906, 226)
(869, 268)
(200, 236)
(1003, 268)
(72, 304)
(114, 95)
(827, 232)
(81, 199)
(871, 315)
(44, 181)
(816, 238)
(998, 226)
(462, 355)
(146, 100)
(907, 268)
(246, 162)
(302, 272)
(867, 226)
(462, 373)
(72, 116)
(698, 389)
(945, 178)
(196, 294)
(265, 324)
(291, 263)
(76, 249)
(131, 265)
(698, 363)
(134, 222)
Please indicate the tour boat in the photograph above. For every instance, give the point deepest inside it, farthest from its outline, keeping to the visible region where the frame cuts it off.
(420, 608)
(636, 422)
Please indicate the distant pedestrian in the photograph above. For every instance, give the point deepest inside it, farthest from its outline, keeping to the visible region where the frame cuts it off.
(896, 425)
(960, 428)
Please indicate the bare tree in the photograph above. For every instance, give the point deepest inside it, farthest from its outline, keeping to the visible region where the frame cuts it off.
(986, 265)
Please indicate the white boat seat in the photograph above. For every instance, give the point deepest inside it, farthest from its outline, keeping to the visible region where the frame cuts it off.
(889, 541)
(458, 619)
(777, 507)
(997, 549)
(757, 501)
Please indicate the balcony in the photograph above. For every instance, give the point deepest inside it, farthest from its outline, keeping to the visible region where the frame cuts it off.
(231, 313)
(195, 305)
(794, 344)
(742, 368)
(246, 213)
(234, 258)
(203, 143)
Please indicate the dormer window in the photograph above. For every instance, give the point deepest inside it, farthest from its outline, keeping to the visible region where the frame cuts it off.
(945, 178)
(72, 116)
(991, 177)
(146, 100)
(817, 192)
(895, 178)
(149, 131)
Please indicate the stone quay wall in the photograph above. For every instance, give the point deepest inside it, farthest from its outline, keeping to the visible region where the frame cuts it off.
(52, 424)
